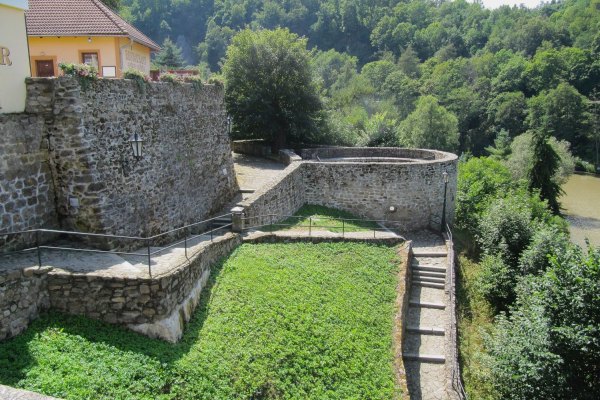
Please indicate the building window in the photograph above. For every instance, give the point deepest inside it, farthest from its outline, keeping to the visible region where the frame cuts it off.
(90, 59)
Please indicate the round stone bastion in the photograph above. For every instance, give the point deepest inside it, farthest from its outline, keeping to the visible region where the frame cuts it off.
(406, 186)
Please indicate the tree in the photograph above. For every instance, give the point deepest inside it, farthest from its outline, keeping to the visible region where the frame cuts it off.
(429, 126)
(501, 149)
(113, 4)
(270, 88)
(169, 55)
(545, 162)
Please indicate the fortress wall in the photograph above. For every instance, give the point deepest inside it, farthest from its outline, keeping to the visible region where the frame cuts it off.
(78, 138)
(368, 190)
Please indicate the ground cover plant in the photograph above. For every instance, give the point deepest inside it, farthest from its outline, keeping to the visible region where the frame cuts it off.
(276, 321)
(324, 218)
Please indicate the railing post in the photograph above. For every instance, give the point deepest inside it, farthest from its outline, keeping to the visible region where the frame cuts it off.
(309, 226)
(39, 251)
(237, 219)
(185, 235)
(343, 228)
(149, 258)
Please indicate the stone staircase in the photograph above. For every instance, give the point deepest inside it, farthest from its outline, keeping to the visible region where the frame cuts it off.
(425, 346)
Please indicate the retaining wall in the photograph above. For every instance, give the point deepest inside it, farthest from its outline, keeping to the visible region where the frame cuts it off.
(157, 306)
(23, 294)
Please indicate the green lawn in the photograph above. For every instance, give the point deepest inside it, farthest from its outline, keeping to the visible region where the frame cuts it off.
(277, 321)
(324, 218)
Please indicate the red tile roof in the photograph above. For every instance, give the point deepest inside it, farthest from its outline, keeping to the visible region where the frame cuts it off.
(79, 18)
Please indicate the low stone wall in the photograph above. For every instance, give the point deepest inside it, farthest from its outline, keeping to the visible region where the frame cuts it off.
(141, 304)
(23, 294)
(252, 147)
(282, 196)
(323, 153)
(157, 306)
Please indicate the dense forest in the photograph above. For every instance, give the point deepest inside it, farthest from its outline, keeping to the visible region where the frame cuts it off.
(495, 72)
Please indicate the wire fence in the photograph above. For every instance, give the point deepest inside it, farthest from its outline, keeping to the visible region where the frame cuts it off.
(313, 224)
(84, 242)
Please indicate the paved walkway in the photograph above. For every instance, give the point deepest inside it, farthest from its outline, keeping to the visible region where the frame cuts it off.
(426, 344)
(254, 172)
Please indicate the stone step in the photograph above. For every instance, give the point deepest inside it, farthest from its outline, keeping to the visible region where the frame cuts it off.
(432, 274)
(427, 294)
(424, 304)
(425, 253)
(425, 278)
(427, 317)
(424, 268)
(418, 343)
(426, 330)
(428, 284)
(426, 358)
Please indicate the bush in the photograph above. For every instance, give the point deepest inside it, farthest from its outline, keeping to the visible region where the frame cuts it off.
(85, 74)
(479, 181)
(137, 76)
(171, 78)
(546, 241)
(497, 282)
(505, 228)
(521, 363)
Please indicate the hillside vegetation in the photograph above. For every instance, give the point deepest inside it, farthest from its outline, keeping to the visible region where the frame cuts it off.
(391, 72)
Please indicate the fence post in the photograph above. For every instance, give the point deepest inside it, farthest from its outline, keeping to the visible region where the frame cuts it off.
(149, 258)
(343, 228)
(309, 226)
(185, 235)
(237, 219)
(39, 251)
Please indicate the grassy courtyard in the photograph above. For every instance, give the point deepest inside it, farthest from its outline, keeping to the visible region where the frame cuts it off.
(324, 218)
(277, 321)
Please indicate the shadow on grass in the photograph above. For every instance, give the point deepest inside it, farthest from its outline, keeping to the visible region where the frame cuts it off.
(16, 358)
(323, 218)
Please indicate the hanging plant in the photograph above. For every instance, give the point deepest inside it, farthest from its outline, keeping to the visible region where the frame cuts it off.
(85, 74)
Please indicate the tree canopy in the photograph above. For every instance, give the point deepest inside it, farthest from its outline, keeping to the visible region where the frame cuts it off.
(271, 91)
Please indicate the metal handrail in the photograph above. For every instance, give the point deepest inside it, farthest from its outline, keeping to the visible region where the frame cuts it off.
(148, 240)
(310, 224)
(454, 364)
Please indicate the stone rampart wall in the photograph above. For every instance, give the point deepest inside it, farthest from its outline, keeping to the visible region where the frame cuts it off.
(372, 152)
(78, 139)
(409, 193)
(26, 188)
(369, 190)
(23, 294)
(283, 196)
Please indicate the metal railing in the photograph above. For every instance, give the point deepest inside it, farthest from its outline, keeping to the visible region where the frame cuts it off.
(454, 364)
(274, 221)
(187, 231)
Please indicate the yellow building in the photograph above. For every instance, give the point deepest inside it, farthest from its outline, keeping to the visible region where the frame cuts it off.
(14, 60)
(84, 31)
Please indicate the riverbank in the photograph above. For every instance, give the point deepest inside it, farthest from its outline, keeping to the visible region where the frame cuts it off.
(581, 203)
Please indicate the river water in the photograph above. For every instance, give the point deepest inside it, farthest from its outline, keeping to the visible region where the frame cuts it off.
(581, 203)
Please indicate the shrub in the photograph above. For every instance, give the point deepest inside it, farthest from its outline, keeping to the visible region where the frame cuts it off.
(505, 228)
(497, 282)
(195, 80)
(546, 241)
(479, 181)
(168, 77)
(85, 74)
(137, 76)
